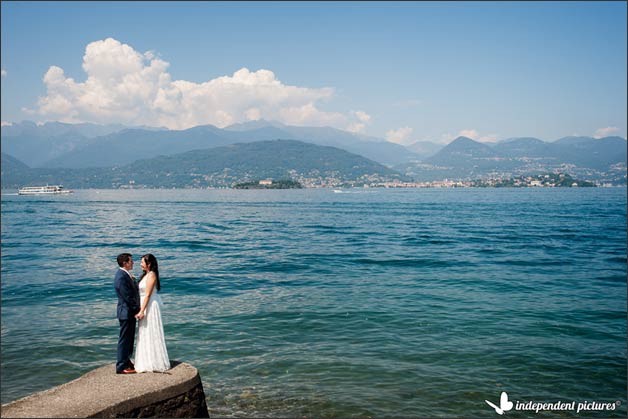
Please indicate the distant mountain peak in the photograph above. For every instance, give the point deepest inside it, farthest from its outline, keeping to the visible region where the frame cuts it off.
(463, 138)
(206, 127)
(462, 150)
(466, 141)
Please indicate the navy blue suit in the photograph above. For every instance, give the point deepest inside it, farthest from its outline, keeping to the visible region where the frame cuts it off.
(128, 307)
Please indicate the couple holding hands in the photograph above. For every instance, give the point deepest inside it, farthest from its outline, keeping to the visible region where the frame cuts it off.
(140, 301)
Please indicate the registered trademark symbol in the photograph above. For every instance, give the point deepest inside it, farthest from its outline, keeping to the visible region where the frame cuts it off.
(618, 403)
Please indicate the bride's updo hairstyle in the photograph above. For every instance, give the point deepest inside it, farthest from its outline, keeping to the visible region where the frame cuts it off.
(151, 261)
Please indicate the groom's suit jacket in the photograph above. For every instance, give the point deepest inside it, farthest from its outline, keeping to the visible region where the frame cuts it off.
(128, 295)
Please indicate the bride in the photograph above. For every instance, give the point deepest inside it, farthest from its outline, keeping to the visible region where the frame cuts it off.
(151, 353)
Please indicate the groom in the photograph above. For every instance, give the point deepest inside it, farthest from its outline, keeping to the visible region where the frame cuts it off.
(128, 307)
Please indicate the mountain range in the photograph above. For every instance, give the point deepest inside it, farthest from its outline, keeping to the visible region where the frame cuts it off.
(41, 148)
(76, 146)
(588, 158)
(214, 167)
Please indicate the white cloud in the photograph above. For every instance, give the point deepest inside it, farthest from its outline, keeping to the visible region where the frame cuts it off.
(475, 135)
(469, 133)
(356, 127)
(6, 123)
(362, 116)
(3, 72)
(489, 138)
(126, 86)
(253, 114)
(399, 136)
(605, 132)
(362, 120)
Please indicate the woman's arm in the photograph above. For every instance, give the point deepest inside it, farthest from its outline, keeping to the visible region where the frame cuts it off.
(150, 279)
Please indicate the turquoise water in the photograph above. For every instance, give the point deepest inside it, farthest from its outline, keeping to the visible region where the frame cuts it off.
(314, 303)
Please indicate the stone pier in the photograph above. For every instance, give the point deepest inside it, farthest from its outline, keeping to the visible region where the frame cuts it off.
(101, 393)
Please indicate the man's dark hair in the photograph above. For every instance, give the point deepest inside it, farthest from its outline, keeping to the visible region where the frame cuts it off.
(124, 258)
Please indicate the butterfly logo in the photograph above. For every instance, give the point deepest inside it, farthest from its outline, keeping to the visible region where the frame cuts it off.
(504, 404)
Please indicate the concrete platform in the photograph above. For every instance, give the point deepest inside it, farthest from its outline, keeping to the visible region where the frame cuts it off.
(103, 393)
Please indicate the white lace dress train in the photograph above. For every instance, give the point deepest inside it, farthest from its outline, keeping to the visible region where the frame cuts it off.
(151, 353)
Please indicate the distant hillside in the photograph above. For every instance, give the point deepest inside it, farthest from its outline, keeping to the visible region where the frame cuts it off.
(463, 147)
(573, 140)
(55, 129)
(278, 159)
(69, 146)
(223, 167)
(424, 149)
(80, 146)
(12, 167)
(583, 157)
(593, 153)
(523, 147)
(124, 147)
(36, 144)
(11, 163)
(373, 148)
(464, 153)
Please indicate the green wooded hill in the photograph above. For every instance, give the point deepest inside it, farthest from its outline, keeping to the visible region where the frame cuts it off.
(215, 167)
(277, 159)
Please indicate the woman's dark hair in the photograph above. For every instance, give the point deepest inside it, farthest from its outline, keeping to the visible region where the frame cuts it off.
(151, 261)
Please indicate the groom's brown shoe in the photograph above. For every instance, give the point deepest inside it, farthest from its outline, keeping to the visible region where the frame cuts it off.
(126, 371)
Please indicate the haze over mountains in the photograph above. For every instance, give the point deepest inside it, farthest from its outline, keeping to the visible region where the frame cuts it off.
(48, 148)
(215, 167)
(586, 157)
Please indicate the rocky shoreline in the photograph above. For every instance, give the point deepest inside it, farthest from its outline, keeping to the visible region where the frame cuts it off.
(177, 393)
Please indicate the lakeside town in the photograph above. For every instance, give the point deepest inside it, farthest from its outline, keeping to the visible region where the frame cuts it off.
(549, 180)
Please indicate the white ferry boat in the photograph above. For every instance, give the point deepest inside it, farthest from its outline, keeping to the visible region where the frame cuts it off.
(43, 190)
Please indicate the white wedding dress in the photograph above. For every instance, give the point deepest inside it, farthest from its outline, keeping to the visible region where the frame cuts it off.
(151, 353)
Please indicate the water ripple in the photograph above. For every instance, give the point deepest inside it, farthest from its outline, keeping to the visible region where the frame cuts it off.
(311, 303)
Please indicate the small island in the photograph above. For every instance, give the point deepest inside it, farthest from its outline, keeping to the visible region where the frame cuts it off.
(269, 184)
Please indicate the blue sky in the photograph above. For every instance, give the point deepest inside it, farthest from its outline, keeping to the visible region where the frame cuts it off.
(407, 71)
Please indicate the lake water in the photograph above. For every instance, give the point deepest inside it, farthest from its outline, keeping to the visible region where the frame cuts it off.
(308, 302)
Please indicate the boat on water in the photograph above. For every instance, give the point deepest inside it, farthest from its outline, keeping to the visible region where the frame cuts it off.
(43, 190)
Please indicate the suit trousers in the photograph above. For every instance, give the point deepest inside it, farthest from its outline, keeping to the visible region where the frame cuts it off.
(125, 343)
